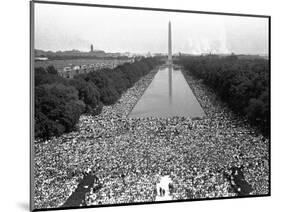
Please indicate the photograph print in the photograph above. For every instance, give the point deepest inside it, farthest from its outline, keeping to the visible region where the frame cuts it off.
(144, 105)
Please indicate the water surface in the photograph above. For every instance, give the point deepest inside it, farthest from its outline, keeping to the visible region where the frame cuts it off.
(168, 95)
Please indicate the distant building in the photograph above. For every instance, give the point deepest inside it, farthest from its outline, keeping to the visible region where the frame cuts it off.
(92, 48)
(72, 70)
(41, 58)
(67, 69)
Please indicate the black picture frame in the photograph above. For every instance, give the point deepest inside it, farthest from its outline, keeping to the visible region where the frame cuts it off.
(33, 2)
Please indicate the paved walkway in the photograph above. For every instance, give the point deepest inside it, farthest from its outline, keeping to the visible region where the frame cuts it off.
(164, 185)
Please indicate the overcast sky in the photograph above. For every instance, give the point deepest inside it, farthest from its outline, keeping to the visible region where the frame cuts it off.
(63, 27)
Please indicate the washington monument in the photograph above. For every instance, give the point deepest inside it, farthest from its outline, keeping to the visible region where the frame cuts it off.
(170, 61)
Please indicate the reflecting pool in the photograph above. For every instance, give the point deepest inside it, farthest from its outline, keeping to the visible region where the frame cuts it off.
(168, 95)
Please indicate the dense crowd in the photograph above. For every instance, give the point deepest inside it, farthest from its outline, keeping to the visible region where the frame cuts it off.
(128, 156)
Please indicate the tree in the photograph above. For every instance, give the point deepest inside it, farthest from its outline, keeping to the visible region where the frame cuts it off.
(51, 70)
(108, 94)
(42, 76)
(59, 102)
(242, 83)
(57, 109)
(89, 94)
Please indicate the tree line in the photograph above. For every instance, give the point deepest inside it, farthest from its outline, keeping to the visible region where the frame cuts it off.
(59, 102)
(242, 83)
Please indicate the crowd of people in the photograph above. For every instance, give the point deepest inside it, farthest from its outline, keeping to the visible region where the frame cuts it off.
(129, 155)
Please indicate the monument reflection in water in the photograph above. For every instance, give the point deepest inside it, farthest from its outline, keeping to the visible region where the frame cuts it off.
(168, 95)
(170, 60)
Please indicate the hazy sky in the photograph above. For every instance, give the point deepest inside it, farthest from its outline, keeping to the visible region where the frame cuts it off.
(62, 27)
